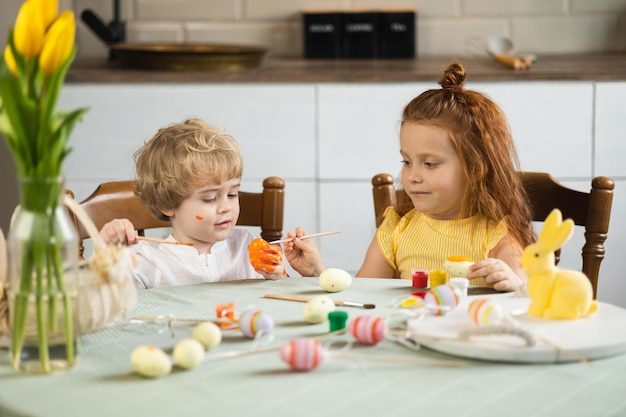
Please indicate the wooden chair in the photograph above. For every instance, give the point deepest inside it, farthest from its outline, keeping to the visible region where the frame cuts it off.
(115, 200)
(591, 210)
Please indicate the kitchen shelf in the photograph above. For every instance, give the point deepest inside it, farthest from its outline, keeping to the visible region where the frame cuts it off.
(605, 67)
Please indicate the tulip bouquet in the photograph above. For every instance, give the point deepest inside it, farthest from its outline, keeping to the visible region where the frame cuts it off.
(39, 52)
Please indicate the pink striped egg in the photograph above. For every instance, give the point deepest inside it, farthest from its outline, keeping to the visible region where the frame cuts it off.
(368, 329)
(253, 321)
(303, 354)
(445, 295)
(484, 311)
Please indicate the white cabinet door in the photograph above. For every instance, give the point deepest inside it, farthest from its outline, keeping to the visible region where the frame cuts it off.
(551, 123)
(273, 123)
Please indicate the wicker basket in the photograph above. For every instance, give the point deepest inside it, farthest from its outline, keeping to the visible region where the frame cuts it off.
(106, 288)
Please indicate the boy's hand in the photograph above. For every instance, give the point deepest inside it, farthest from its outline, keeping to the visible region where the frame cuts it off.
(303, 254)
(266, 259)
(119, 231)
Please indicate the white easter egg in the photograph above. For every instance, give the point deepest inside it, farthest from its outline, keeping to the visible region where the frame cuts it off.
(335, 279)
(207, 333)
(150, 361)
(458, 268)
(188, 353)
(317, 308)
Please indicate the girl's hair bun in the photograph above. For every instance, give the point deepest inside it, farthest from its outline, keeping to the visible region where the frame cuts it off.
(453, 77)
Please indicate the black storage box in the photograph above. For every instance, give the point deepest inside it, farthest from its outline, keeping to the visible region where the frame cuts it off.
(322, 38)
(397, 35)
(359, 35)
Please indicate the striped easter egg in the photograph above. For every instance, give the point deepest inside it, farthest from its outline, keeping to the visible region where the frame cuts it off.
(253, 321)
(484, 311)
(368, 329)
(303, 354)
(442, 299)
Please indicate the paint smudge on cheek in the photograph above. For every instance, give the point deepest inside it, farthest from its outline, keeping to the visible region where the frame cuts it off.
(199, 217)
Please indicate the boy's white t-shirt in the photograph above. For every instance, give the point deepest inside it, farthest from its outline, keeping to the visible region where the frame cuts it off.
(164, 265)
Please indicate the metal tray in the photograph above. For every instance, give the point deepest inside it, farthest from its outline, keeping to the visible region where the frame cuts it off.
(187, 56)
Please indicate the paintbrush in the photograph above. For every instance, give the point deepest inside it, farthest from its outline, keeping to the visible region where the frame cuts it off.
(305, 237)
(305, 299)
(156, 239)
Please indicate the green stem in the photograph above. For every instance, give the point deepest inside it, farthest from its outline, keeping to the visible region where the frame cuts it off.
(67, 306)
(52, 304)
(20, 312)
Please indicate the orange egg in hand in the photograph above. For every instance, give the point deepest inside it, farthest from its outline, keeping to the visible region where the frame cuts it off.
(264, 256)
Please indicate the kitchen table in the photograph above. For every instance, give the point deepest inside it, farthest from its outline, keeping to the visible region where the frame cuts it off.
(260, 384)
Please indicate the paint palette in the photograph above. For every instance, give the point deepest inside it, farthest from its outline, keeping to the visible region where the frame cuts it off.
(594, 337)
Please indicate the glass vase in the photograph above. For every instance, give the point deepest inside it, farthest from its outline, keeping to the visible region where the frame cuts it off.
(43, 280)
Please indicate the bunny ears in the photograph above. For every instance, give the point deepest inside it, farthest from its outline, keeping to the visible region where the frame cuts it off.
(555, 231)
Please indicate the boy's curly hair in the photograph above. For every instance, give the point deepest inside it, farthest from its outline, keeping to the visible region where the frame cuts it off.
(181, 157)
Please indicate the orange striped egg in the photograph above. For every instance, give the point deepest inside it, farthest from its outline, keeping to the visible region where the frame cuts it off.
(303, 354)
(368, 329)
(441, 299)
(484, 311)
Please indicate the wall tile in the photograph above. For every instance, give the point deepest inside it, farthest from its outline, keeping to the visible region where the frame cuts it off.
(566, 34)
(606, 6)
(193, 10)
(424, 8)
(287, 9)
(143, 32)
(513, 7)
(275, 36)
(446, 37)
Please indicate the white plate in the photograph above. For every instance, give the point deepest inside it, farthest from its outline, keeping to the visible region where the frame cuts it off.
(600, 335)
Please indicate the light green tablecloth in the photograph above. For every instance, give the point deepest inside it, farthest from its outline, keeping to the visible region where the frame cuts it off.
(102, 384)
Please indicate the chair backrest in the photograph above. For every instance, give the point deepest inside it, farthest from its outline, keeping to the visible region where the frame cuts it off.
(115, 200)
(591, 210)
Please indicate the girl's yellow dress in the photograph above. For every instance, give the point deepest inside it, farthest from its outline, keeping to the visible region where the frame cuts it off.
(417, 241)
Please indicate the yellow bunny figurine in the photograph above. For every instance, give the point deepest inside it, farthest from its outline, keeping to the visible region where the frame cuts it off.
(555, 293)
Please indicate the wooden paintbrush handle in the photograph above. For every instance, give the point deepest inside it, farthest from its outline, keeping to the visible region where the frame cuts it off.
(305, 299)
(287, 297)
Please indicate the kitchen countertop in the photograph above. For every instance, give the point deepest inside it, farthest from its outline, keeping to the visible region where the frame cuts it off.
(601, 67)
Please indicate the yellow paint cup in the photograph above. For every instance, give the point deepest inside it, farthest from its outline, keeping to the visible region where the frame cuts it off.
(438, 278)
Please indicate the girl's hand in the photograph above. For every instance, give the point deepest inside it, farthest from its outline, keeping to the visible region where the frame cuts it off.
(496, 272)
(119, 231)
(303, 254)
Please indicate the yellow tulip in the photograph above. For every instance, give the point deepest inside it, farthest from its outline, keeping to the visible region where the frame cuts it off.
(58, 43)
(49, 9)
(29, 29)
(10, 60)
